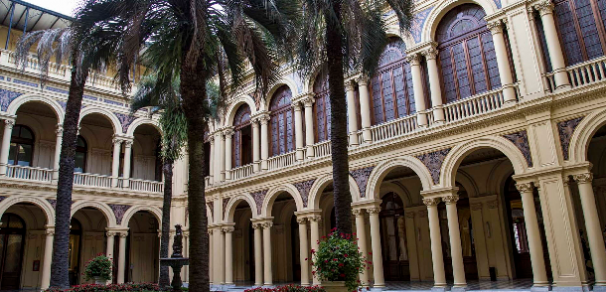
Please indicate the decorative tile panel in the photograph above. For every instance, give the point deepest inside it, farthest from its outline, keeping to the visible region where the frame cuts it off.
(225, 201)
(119, 211)
(259, 197)
(57, 90)
(6, 97)
(416, 28)
(361, 177)
(90, 97)
(113, 102)
(498, 3)
(26, 83)
(125, 120)
(433, 161)
(2, 198)
(566, 129)
(53, 203)
(520, 139)
(304, 188)
(210, 206)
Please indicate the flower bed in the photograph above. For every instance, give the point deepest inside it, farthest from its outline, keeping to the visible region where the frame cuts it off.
(287, 288)
(130, 287)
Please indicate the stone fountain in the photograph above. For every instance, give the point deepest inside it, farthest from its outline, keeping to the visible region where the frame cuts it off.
(176, 260)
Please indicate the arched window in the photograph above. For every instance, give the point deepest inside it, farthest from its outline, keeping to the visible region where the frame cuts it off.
(391, 87)
(393, 238)
(242, 140)
(282, 125)
(466, 53)
(12, 243)
(581, 25)
(22, 146)
(322, 107)
(159, 162)
(81, 150)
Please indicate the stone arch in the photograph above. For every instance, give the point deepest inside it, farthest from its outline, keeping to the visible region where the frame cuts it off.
(109, 115)
(497, 178)
(378, 174)
(272, 194)
(142, 121)
(436, 14)
(133, 210)
(231, 111)
(459, 152)
(19, 101)
(579, 142)
(46, 207)
(401, 191)
(394, 31)
(315, 193)
(230, 209)
(101, 207)
(309, 82)
(285, 81)
(468, 182)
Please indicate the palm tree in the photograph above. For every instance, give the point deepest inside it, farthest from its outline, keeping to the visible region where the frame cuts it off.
(343, 36)
(198, 40)
(90, 51)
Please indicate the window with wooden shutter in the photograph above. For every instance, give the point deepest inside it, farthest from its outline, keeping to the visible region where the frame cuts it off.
(466, 53)
(391, 87)
(322, 107)
(282, 126)
(242, 139)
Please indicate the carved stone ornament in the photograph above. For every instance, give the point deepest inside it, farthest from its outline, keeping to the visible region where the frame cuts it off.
(117, 140)
(50, 231)
(357, 212)
(119, 211)
(524, 188)
(259, 197)
(257, 225)
(361, 177)
(362, 80)
(520, 140)
(304, 188)
(210, 206)
(178, 242)
(228, 229)
(123, 234)
(583, 178)
(6, 97)
(430, 54)
(430, 202)
(111, 233)
(449, 200)
(565, 130)
(301, 220)
(495, 27)
(225, 202)
(433, 161)
(544, 7)
(373, 210)
(413, 59)
(9, 123)
(267, 224)
(492, 204)
(229, 131)
(315, 218)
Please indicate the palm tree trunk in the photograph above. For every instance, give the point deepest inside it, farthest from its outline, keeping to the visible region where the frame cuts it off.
(338, 124)
(167, 170)
(60, 264)
(193, 93)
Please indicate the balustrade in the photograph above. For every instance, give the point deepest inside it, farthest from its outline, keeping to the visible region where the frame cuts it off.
(322, 149)
(150, 186)
(29, 173)
(475, 105)
(582, 74)
(282, 160)
(92, 180)
(394, 128)
(241, 172)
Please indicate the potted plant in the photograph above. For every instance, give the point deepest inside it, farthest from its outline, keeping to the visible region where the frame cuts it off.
(338, 262)
(99, 269)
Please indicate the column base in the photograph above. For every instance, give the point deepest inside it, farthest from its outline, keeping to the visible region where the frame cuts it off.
(458, 289)
(536, 288)
(599, 288)
(377, 289)
(570, 289)
(438, 289)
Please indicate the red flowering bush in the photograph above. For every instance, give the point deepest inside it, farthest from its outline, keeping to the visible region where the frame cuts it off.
(130, 287)
(100, 266)
(287, 288)
(338, 259)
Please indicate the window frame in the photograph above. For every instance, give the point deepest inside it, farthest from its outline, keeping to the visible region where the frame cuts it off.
(22, 141)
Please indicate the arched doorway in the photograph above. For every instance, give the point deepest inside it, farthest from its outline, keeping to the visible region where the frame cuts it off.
(12, 246)
(243, 249)
(393, 235)
(97, 130)
(285, 240)
(242, 140)
(143, 245)
(146, 164)
(87, 240)
(75, 243)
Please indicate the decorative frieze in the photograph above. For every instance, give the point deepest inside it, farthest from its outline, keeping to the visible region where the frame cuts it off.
(304, 188)
(125, 120)
(259, 197)
(119, 211)
(520, 140)
(53, 203)
(6, 97)
(416, 29)
(361, 177)
(210, 207)
(433, 161)
(565, 130)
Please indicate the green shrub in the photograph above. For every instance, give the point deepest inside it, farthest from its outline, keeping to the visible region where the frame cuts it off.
(287, 288)
(126, 287)
(100, 266)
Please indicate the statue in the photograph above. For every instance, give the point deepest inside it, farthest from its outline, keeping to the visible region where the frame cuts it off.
(178, 243)
(176, 261)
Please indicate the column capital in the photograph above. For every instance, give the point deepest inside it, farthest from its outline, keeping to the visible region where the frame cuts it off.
(583, 178)
(430, 202)
(349, 86)
(117, 139)
(123, 234)
(9, 122)
(128, 143)
(525, 187)
(50, 231)
(111, 233)
(59, 129)
(228, 229)
(430, 53)
(495, 27)
(301, 220)
(257, 225)
(358, 212)
(414, 59)
(362, 80)
(544, 7)
(451, 199)
(267, 224)
(228, 131)
(373, 210)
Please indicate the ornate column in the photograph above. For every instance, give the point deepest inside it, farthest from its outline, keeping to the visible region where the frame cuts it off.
(534, 236)
(229, 256)
(58, 142)
(315, 237)
(116, 160)
(211, 264)
(264, 118)
(308, 101)
(219, 257)
(498, 38)
(365, 108)
(437, 258)
(299, 138)
(6, 143)
(554, 47)
(109, 247)
(352, 114)
(122, 257)
(455, 242)
(128, 148)
(433, 73)
(228, 132)
(218, 156)
(256, 142)
(377, 254)
(48, 257)
(303, 251)
(258, 254)
(361, 232)
(594, 232)
(211, 167)
(267, 271)
(417, 85)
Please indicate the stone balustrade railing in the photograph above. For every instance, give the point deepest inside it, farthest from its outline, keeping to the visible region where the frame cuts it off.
(322, 149)
(92, 180)
(394, 128)
(148, 186)
(37, 174)
(242, 171)
(475, 105)
(582, 74)
(283, 160)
